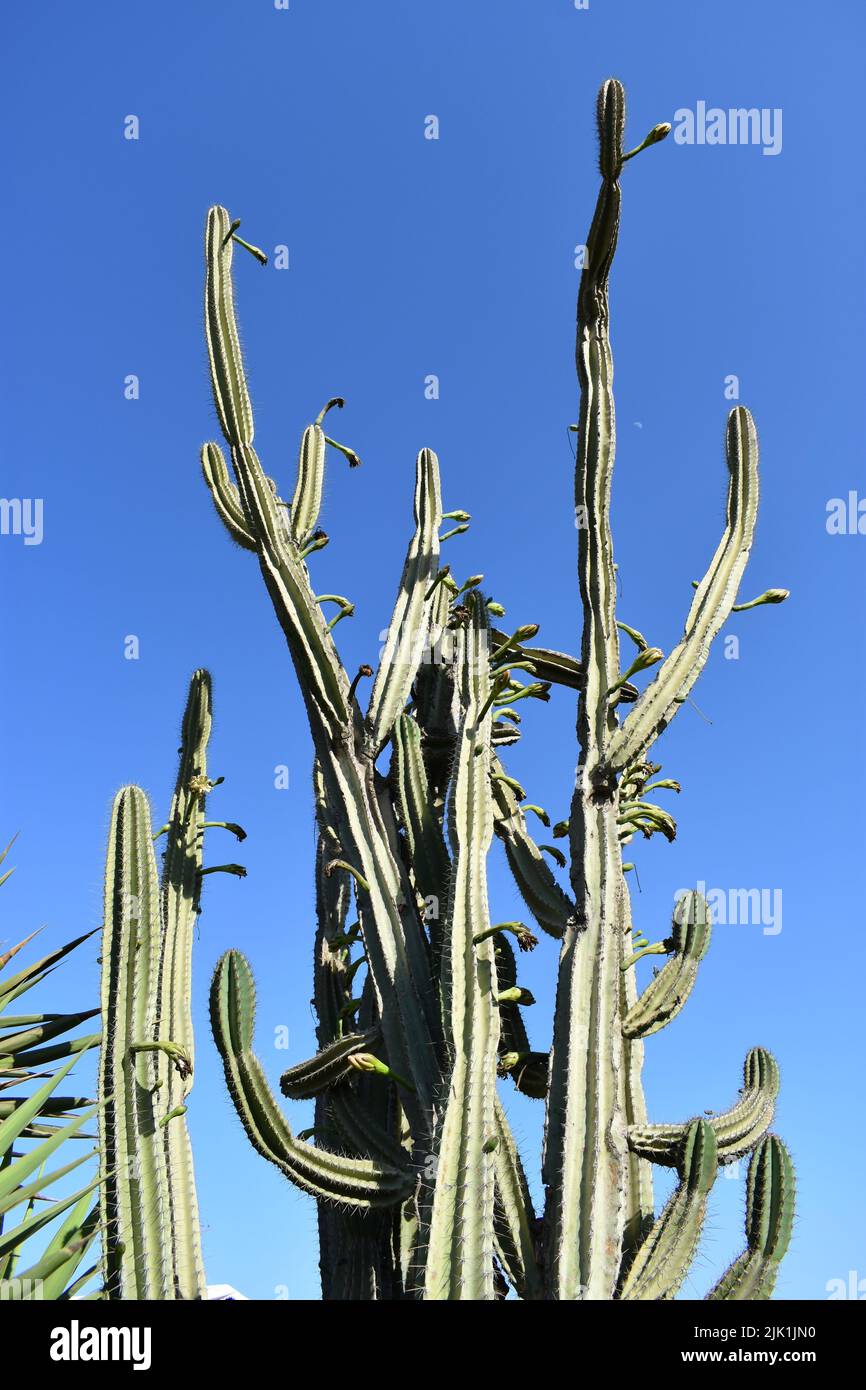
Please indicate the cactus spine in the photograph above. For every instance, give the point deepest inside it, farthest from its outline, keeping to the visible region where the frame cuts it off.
(419, 1000)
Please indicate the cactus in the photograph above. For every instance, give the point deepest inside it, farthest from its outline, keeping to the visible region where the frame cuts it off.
(149, 1217)
(420, 1187)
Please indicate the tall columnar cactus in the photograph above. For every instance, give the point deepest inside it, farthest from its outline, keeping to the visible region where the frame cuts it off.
(150, 1227)
(420, 1187)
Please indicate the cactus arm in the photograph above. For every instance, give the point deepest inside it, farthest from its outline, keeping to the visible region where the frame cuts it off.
(323, 680)
(359, 1183)
(737, 1130)
(663, 998)
(770, 1204)
(325, 688)
(135, 1263)
(459, 1240)
(307, 499)
(401, 977)
(640, 1205)
(328, 1068)
(546, 665)
(551, 907)
(512, 1030)
(514, 1218)
(662, 1262)
(409, 626)
(426, 843)
(711, 605)
(228, 379)
(226, 497)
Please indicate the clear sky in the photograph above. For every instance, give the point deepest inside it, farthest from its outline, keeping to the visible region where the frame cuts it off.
(455, 257)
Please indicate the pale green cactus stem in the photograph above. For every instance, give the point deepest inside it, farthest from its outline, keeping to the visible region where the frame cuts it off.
(737, 1130)
(358, 1183)
(585, 1152)
(180, 895)
(408, 631)
(151, 1239)
(459, 1237)
(138, 1249)
(663, 998)
(714, 598)
(393, 937)
(663, 1260)
(770, 1206)
(330, 1066)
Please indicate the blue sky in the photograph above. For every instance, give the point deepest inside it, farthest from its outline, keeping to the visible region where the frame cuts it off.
(453, 257)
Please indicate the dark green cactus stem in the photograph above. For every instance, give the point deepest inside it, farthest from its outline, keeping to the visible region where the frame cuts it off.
(770, 1203)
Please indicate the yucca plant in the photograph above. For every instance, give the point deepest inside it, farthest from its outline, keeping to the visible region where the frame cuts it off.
(37, 1053)
(420, 1188)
